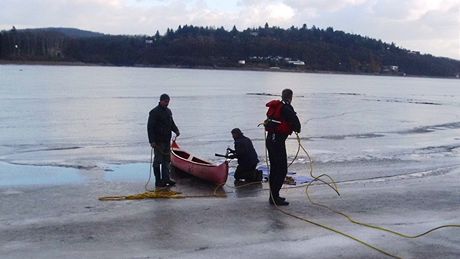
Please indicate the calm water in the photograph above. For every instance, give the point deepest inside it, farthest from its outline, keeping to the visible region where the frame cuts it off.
(353, 126)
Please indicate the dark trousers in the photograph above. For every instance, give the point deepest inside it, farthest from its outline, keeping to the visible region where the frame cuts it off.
(245, 172)
(276, 146)
(162, 156)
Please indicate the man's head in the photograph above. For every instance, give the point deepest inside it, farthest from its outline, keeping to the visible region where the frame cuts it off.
(286, 95)
(236, 133)
(164, 100)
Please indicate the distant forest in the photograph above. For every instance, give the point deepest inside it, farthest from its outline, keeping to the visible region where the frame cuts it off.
(298, 49)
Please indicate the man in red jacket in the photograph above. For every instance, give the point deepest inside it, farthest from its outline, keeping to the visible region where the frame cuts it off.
(281, 122)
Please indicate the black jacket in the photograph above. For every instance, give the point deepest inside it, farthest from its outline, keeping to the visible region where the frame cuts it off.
(245, 152)
(290, 116)
(160, 125)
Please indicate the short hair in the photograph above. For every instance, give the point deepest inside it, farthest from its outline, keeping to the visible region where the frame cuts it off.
(164, 97)
(236, 131)
(286, 94)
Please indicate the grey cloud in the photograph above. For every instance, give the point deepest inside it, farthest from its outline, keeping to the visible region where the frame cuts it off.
(391, 9)
(381, 19)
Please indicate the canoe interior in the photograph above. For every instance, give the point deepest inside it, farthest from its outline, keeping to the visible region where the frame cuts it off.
(189, 157)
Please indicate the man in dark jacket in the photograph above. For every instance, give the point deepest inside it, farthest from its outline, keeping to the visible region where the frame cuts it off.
(276, 146)
(159, 128)
(247, 158)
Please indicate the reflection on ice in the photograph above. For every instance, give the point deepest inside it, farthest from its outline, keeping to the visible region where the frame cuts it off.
(23, 175)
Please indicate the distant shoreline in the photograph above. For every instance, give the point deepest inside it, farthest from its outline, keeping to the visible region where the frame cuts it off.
(247, 68)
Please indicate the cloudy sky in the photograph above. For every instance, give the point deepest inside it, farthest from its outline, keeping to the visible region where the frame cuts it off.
(428, 26)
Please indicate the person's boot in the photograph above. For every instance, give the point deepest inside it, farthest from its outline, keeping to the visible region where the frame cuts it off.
(158, 181)
(165, 174)
(278, 201)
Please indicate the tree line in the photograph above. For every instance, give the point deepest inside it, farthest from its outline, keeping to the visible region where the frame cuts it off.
(265, 47)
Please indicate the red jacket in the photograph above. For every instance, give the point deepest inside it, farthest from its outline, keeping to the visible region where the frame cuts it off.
(281, 118)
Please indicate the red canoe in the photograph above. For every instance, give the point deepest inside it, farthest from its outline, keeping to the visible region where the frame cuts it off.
(198, 167)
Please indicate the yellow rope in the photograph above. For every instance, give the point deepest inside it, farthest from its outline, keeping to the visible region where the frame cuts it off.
(162, 193)
(334, 187)
(338, 232)
(150, 172)
(332, 184)
(158, 194)
(361, 223)
(168, 194)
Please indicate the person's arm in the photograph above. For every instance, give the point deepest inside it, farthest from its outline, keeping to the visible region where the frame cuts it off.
(241, 149)
(291, 117)
(175, 129)
(150, 129)
(174, 126)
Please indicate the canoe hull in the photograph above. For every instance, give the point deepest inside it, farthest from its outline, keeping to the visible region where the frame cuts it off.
(202, 169)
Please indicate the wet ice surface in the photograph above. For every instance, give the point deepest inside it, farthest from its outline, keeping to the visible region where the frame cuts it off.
(127, 172)
(352, 126)
(25, 175)
(392, 144)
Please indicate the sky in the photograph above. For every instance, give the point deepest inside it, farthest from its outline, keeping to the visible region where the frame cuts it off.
(428, 26)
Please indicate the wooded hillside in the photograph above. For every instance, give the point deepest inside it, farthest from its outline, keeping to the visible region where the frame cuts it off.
(300, 49)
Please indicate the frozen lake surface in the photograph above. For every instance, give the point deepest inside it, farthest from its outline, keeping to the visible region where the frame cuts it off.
(69, 135)
(354, 127)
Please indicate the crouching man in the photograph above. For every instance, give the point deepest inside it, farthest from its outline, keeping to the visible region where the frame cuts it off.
(247, 158)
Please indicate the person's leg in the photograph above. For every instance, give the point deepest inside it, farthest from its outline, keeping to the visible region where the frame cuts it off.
(245, 172)
(258, 176)
(278, 177)
(271, 158)
(254, 175)
(283, 167)
(272, 147)
(277, 156)
(238, 172)
(157, 160)
(166, 165)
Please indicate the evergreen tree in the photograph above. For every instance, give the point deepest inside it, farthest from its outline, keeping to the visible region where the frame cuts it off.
(320, 50)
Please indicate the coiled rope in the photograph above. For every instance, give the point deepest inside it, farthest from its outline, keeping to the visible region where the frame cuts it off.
(162, 192)
(333, 186)
(166, 193)
(361, 223)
